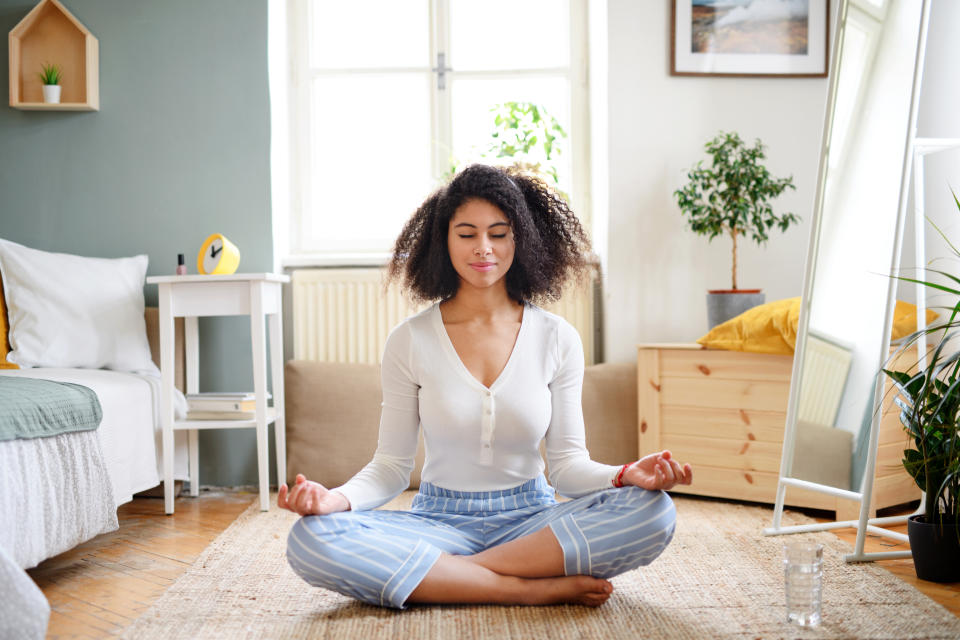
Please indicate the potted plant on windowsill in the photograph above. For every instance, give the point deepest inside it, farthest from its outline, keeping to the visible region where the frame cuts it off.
(732, 197)
(51, 76)
(930, 413)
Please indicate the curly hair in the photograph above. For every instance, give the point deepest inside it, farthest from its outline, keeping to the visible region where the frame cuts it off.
(551, 246)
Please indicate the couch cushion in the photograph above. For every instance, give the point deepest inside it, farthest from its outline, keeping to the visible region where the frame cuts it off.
(333, 420)
(610, 412)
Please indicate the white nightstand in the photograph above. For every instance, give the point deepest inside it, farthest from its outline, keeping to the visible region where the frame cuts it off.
(253, 294)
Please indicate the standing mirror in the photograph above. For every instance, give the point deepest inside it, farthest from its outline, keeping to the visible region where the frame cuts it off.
(830, 439)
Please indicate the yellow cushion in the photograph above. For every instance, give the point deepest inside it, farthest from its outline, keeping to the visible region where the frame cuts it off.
(772, 327)
(767, 328)
(4, 330)
(905, 319)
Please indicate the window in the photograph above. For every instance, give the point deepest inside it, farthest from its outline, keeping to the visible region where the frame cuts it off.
(387, 95)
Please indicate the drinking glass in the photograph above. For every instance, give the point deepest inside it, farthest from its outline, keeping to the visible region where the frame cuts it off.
(803, 581)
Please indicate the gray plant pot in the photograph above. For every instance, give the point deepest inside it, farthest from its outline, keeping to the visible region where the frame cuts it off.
(725, 304)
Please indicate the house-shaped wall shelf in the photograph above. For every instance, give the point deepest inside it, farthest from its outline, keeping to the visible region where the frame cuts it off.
(50, 34)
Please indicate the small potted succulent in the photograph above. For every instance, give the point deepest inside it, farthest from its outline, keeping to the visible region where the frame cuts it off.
(732, 197)
(51, 75)
(929, 402)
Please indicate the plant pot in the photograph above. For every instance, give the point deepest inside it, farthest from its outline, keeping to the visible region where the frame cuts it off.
(935, 548)
(51, 93)
(723, 304)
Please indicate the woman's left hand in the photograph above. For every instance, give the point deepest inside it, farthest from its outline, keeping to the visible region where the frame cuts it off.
(657, 471)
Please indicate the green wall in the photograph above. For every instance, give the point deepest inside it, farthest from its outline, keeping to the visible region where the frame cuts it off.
(179, 149)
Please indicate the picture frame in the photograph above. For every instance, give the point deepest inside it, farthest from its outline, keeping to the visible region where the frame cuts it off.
(750, 38)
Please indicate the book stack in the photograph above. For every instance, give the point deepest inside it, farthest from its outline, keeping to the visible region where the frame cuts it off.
(222, 406)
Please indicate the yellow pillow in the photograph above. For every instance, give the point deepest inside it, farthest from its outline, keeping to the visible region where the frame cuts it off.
(767, 328)
(4, 330)
(905, 319)
(772, 327)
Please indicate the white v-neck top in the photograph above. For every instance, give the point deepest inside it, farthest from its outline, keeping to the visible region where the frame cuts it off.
(478, 438)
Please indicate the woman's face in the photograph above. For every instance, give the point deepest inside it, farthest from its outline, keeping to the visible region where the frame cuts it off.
(480, 242)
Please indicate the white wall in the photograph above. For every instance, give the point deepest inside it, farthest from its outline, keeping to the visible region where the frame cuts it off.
(658, 270)
(938, 118)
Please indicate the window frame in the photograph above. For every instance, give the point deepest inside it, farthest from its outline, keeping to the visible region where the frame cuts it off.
(297, 220)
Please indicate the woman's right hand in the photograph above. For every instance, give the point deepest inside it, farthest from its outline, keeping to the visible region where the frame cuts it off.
(308, 498)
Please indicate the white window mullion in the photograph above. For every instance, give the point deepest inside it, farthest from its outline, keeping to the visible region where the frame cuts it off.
(440, 99)
(580, 114)
(299, 42)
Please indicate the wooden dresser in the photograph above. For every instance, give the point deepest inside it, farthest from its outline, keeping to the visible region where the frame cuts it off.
(724, 413)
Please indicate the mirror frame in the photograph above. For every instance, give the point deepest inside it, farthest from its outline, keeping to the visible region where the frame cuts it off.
(790, 428)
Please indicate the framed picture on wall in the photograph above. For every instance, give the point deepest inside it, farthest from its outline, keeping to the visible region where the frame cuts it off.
(766, 38)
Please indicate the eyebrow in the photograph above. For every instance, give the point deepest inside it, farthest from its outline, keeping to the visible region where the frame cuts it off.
(495, 224)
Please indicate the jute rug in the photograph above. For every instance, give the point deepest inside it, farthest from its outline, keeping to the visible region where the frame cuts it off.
(718, 579)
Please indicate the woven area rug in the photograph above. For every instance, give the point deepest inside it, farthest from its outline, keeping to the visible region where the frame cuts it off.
(720, 578)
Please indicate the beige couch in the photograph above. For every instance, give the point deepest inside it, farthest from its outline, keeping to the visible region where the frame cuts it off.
(333, 417)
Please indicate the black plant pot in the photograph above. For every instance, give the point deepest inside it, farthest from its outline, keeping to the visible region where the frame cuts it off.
(935, 548)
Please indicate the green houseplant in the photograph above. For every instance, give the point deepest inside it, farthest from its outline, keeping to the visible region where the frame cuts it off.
(732, 197)
(929, 402)
(527, 135)
(50, 76)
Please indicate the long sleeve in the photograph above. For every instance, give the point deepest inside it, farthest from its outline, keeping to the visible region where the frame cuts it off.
(572, 472)
(388, 474)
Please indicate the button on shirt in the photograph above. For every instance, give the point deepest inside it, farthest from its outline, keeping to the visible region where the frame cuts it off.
(478, 438)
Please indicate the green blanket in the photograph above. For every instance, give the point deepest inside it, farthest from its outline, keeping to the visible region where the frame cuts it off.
(35, 408)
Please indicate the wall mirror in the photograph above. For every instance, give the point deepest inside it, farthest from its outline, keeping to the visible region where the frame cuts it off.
(854, 243)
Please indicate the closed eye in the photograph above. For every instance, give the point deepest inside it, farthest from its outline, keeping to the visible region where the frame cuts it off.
(501, 235)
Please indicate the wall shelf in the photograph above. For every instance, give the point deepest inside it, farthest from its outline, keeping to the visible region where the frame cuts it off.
(50, 34)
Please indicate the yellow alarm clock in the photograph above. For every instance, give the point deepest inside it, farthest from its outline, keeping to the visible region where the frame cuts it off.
(218, 256)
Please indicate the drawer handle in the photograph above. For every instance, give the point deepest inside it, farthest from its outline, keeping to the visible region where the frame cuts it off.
(643, 426)
(746, 445)
(744, 417)
(750, 436)
(704, 369)
(655, 386)
(748, 477)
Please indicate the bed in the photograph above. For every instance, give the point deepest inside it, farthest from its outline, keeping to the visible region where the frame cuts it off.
(59, 491)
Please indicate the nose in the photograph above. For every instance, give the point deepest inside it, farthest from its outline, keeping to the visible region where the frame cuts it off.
(483, 251)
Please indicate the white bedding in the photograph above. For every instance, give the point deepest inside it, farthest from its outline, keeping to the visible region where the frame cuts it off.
(57, 492)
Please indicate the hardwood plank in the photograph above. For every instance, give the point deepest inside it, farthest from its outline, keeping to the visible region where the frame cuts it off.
(725, 394)
(730, 365)
(648, 400)
(744, 454)
(98, 588)
(737, 424)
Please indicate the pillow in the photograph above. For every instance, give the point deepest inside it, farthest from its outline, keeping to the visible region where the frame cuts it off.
(766, 328)
(905, 319)
(69, 311)
(4, 342)
(772, 327)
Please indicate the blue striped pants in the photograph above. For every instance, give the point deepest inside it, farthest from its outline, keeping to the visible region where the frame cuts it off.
(380, 557)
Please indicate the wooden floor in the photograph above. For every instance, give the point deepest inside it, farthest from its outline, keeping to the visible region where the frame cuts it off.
(100, 587)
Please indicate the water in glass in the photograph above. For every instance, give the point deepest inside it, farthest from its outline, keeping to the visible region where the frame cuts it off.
(803, 575)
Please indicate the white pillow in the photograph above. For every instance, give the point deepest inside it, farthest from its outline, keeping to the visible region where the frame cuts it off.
(70, 311)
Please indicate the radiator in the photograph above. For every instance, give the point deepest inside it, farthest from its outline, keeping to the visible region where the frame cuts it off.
(345, 315)
(825, 369)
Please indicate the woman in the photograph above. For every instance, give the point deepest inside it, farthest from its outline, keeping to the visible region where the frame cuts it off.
(488, 376)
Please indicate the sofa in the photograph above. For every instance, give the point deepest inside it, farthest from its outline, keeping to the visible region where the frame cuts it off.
(333, 417)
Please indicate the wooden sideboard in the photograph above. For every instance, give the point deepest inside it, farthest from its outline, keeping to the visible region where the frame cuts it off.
(724, 412)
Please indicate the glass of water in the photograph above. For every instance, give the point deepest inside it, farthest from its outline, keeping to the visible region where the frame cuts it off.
(803, 581)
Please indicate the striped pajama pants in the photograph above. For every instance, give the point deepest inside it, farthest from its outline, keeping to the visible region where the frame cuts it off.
(380, 557)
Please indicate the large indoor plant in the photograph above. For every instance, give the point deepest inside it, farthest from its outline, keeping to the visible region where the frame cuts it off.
(732, 197)
(929, 402)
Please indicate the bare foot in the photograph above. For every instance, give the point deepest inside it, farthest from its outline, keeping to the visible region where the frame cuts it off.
(585, 590)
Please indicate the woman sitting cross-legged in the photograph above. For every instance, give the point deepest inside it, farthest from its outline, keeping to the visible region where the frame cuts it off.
(487, 375)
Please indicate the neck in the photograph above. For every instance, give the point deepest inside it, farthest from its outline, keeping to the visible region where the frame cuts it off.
(488, 303)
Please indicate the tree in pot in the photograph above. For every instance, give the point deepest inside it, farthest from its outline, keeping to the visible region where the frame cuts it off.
(732, 197)
(929, 401)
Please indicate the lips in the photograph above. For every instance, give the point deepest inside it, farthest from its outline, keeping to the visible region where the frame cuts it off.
(482, 266)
